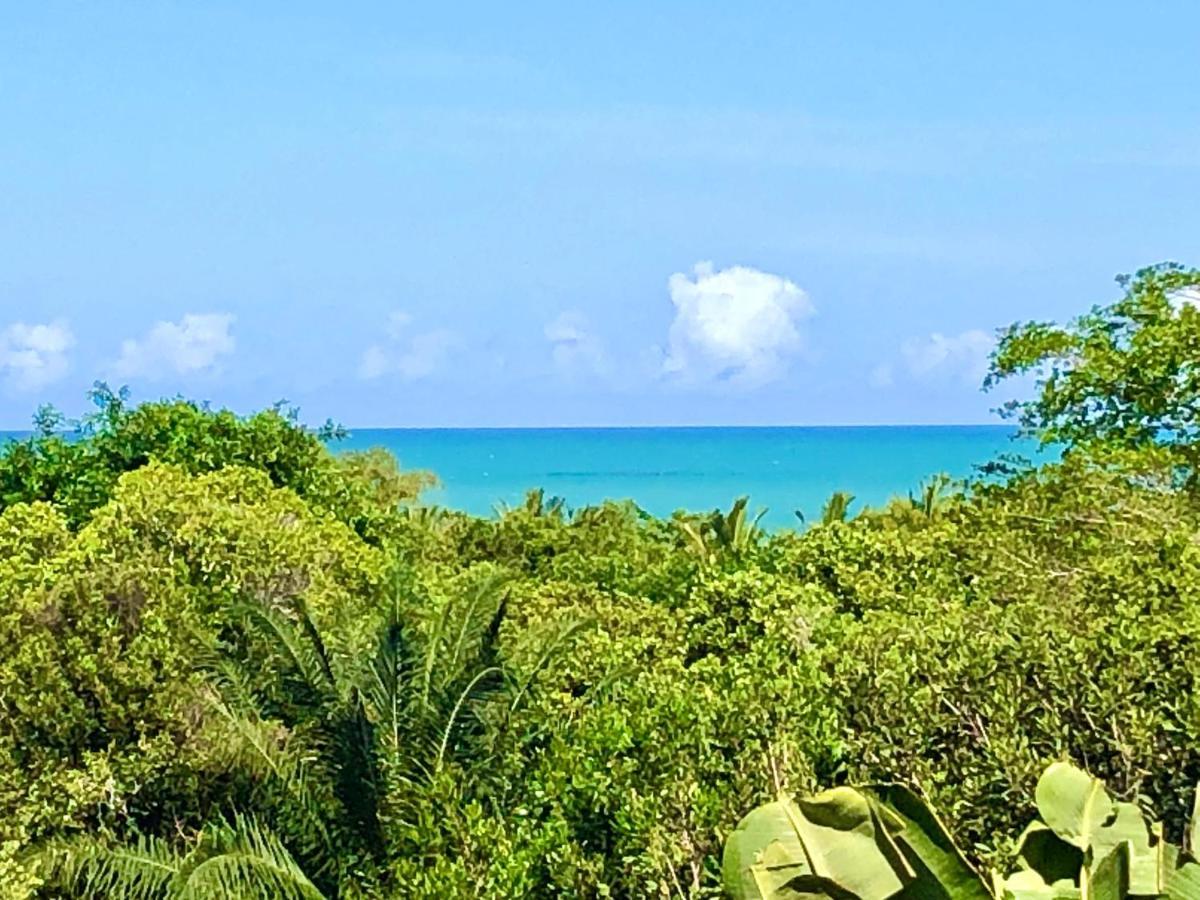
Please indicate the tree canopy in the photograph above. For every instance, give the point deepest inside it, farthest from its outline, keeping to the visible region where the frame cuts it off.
(1123, 376)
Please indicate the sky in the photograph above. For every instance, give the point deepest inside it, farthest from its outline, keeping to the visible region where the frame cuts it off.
(534, 214)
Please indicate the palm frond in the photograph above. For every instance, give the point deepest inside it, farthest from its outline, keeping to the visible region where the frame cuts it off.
(452, 665)
(298, 643)
(837, 507)
(551, 652)
(693, 534)
(472, 686)
(387, 685)
(247, 861)
(89, 867)
(231, 679)
(291, 770)
(354, 766)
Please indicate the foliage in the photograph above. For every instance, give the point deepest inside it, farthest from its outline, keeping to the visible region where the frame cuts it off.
(1089, 845)
(732, 534)
(883, 841)
(78, 472)
(1122, 377)
(836, 508)
(871, 842)
(238, 858)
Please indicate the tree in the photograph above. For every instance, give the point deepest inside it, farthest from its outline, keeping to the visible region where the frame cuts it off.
(1122, 377)
(344, 746)
(78, 472)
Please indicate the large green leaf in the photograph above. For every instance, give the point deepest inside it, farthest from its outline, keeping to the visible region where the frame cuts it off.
(1108, 879)
(1073, 803)
(1044, 852)
(1145, 848)
(847, 844)
(1029, 885)
(1193, 833)
(941, 870)
(763, 853)
(1184, 882)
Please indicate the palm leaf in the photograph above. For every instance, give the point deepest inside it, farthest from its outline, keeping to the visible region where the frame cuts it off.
(89, 867)
(248, 862)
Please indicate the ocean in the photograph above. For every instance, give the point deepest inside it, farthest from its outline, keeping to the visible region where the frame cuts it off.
(781, 469)
(664, 469)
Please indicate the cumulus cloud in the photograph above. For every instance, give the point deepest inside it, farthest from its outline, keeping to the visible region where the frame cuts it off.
(573, 346)
(962, 356)
(412, 357)
(738, 324)
(33, 356)
(193, 344)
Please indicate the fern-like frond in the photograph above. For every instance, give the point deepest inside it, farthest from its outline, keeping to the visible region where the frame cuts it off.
(473, 689)
(88, 867)
(553, 650)
(290, 770)
(295, 642)
(248, 862)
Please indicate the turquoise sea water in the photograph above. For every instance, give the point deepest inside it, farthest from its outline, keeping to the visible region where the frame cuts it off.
(664, 469)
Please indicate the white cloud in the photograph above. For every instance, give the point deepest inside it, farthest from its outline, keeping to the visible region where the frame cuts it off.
(737, 324)
(33, 356)
(412, 358)
(573, 346)
(1188, 296)
(193, 344)
(963, 356)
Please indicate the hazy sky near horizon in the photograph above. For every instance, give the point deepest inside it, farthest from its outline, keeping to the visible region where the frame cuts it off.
(557, 214)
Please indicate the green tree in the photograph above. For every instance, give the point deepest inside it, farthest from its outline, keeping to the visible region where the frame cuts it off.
(1122, 377)
(77, 470)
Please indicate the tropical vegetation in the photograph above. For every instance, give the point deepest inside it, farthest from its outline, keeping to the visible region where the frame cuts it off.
(237, 662)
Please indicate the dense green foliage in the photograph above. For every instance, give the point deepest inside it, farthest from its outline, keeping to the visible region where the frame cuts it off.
(1124, 376)
(229, 653)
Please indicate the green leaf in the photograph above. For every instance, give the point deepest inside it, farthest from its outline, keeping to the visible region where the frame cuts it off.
(847, 844)
(1145, 848)
(1193, 832)
(941, 870)
(1184, 882)
(1073, 803)
(1042, 851)
(1028, 885)
(1108, 879)
(763, 854)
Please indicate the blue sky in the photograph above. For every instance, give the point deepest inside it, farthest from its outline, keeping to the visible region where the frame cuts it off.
(549, 213)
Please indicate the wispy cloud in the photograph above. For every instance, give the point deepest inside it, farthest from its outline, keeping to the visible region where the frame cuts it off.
(736, 325)
(411, 357)
(575, 349)
(33, 356)
(883, 376)
(963, 356)
(196, 343)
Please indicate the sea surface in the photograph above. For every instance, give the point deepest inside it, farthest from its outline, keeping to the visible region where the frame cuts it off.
(782, 470)
(664, 469)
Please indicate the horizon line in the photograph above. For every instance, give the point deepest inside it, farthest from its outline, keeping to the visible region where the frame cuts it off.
(353, 428)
